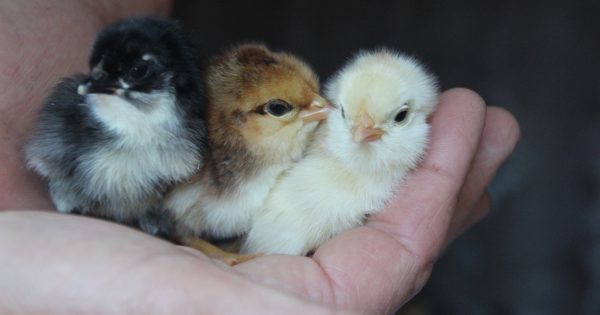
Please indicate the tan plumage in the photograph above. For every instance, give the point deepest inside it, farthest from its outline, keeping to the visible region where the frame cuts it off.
(368, 144)
(250, 144)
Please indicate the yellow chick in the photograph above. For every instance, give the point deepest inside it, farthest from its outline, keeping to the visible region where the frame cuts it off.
(369, 143)
(262, 108)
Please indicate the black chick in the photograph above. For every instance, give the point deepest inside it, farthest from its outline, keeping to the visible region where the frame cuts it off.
(112, 142)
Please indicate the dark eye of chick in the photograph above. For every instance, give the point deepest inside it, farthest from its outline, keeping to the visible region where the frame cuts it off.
(139, 72)
(401, 116)
(343, 113)
(278, 108)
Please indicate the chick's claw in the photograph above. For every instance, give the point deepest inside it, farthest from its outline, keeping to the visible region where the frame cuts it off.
(217, 253)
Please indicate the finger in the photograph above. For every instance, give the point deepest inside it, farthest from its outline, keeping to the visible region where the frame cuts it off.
(392, 254)
(500, 135)
(481, 209)
(420, 214)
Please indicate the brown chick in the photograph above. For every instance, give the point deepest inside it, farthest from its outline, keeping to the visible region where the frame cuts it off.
(262, 109)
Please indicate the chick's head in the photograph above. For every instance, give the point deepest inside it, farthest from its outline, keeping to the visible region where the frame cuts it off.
(269, 100)
(382, 102)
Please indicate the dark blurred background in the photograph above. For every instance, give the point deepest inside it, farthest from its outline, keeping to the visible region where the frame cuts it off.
(538, 252)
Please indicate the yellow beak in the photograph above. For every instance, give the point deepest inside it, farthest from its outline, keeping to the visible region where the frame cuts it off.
(364, 130)
(318, 110)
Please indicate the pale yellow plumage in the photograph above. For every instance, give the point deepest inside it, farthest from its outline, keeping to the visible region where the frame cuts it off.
(370, 142)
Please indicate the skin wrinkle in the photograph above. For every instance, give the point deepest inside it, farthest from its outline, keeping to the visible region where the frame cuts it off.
(389, 224)
(325, 289)
(334, 283)
(166, 295)
(412, 269)
(421, 277)
(308, 290)
(144, 261)
(407, 239)
(322, 292)
(156, 261)
(446, 217)
(406, 242)
(330, 282)
(345, 282)
(270, 288)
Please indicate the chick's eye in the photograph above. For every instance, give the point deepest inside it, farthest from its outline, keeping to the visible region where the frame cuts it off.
(401, 116)
(139, 72)
(278, 108)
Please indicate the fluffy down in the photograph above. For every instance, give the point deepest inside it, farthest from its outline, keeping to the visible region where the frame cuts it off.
(263, 107)
(370, 142)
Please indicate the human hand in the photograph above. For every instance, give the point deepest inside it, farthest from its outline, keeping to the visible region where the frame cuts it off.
(377, 268)
(92, 265)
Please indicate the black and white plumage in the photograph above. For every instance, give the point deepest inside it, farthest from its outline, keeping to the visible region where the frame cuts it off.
(111, 143)
(369, 143)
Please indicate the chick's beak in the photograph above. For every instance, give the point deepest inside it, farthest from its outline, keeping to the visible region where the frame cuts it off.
(364, 130)
(318, 110)
(91, 86)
